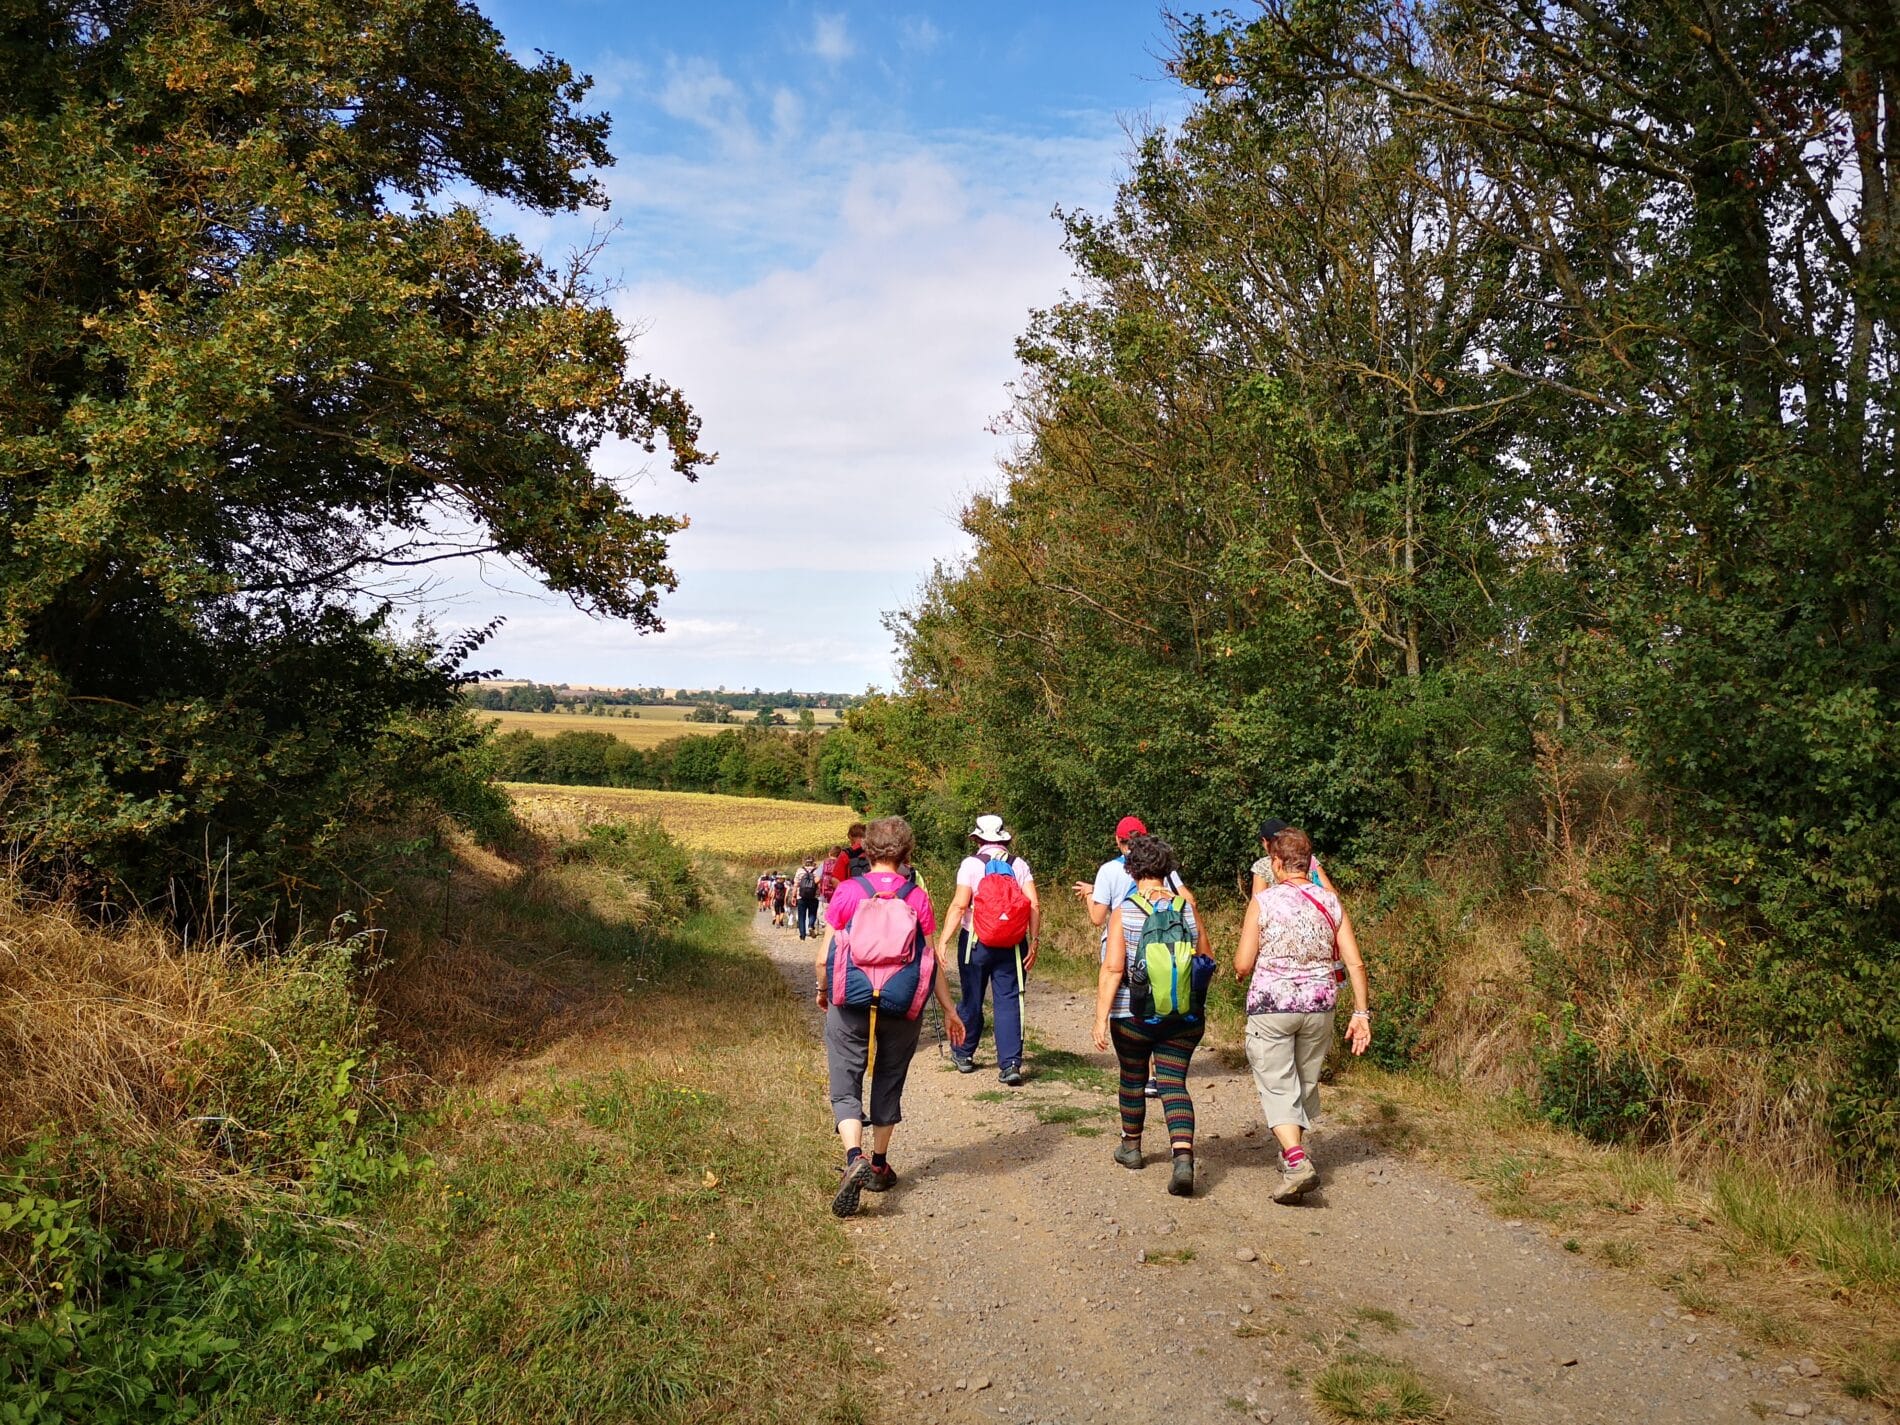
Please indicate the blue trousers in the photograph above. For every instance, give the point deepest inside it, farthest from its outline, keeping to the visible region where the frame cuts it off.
(980, 968)
(807, 917)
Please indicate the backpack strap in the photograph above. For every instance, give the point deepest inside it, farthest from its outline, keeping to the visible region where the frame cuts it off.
(1142, 903)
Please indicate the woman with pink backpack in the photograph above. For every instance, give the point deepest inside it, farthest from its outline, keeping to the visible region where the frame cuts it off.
(874, 977)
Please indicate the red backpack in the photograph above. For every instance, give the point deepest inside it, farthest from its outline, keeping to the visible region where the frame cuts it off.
(999, 914)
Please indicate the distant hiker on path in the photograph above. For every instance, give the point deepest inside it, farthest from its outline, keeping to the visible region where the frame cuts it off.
(997, 917)
(779, 888)
(1113, 885)
(873, 979)
(1288, 942)
(807, 888)
(1150, 1005)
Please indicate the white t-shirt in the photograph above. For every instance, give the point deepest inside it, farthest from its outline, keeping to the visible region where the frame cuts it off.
(970, 873)
(1113, 885)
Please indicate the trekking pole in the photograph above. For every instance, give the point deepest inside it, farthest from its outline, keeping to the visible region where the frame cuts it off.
(1022, 997)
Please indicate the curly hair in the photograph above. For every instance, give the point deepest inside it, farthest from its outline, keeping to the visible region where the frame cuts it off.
(1149, 858)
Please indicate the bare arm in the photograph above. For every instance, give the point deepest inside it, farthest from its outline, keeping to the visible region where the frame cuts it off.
(1248, 951)
(1107, 981)
(1359, 1027)
(953, 920)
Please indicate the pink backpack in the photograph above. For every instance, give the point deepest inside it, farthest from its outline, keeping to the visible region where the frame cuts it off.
(881, 960)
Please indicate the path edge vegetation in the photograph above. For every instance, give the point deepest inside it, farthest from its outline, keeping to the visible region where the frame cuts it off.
(544, 1145)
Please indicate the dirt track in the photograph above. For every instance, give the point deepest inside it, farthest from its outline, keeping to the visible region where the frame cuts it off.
(1031, 1279)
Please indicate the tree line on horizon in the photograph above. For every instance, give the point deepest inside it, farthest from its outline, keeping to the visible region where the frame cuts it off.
(1471, 436)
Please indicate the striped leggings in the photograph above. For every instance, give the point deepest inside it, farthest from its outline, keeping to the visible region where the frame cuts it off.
(1133, 1050)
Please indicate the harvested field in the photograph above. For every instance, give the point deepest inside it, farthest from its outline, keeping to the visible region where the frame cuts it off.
(750, 829)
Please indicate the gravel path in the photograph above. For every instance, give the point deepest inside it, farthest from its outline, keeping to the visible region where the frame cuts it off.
(1031, 1279)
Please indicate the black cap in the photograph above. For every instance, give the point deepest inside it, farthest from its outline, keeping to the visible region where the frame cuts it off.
(1271, 828)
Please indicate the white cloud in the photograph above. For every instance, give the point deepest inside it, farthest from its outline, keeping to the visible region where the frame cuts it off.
(916, 35)
(840, 304)
(699, 92)
(831, 38)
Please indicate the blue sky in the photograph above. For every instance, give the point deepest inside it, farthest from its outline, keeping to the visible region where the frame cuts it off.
(829, 225)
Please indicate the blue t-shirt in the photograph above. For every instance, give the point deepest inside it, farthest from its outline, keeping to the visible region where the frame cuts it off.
(1113, 885)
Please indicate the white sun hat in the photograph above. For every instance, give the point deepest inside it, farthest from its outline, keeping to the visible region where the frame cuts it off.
(990, 828)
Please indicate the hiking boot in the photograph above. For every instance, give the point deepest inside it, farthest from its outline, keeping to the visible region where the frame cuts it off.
(857, 1177)
(1129, 1154)
(882, 1179)
(1181, 1184)
(1153, 1090)
(1296, 1182)
(1011, 1074)
(965, 1064)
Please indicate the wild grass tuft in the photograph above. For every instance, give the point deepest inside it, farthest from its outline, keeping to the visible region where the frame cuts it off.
(1358, 1387)
(1851, 1243)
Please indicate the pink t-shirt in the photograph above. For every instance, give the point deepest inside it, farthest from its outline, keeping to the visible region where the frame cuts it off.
(846, 898)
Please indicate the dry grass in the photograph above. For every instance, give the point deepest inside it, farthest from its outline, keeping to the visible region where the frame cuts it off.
(97, 1031)
(652, 727)
(756, 830)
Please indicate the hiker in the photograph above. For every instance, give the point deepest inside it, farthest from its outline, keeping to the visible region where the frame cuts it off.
(828, 883)
(851, 860)
(1113, 885)
(997, 918)
(765, 890)
(1150, 1005)
(1292, 933)
(1263, 868)
(1316, 874)
(873, 979)
(778, 900)
(807, 888)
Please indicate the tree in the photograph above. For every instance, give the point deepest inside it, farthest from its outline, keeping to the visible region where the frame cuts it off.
(259, 361)
(807, 720)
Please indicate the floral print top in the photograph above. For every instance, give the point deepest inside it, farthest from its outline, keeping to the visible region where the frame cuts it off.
(1294, 974)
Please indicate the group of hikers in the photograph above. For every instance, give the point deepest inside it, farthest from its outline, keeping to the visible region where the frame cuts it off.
(799, 897)
(884, 961)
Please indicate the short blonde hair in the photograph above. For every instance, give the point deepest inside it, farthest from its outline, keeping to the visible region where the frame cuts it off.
(889, 838)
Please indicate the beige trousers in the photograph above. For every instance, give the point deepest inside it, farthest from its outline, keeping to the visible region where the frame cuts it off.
(1286, 1053)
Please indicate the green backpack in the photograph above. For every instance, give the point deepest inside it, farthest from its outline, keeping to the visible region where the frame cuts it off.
(1164, 982)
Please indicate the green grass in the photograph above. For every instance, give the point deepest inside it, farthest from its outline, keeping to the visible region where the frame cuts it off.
(1359, 1387)
(1062, 1113)
(1180, 1256)
(638, 1235)
(1063, 1066)
(1851, 1243)
(1388, 1321)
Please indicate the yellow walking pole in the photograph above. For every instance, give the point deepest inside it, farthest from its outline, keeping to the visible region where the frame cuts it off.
(870, 1063)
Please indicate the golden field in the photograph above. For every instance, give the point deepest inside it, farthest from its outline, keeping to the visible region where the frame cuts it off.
(753, 829)
(650, 729)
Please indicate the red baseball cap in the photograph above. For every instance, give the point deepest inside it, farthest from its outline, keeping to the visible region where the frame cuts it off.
(1130, 826)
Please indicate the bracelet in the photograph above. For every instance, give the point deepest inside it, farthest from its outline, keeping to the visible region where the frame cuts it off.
(1364, 1014)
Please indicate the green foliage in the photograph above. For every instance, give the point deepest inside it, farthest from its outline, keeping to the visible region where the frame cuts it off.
(1457, 475)
(756, 760)
(256, 349)
(648, 857)
(96, 1324)
(1604, 1094)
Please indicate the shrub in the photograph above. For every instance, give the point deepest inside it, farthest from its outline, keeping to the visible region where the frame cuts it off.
(1607, 1096)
